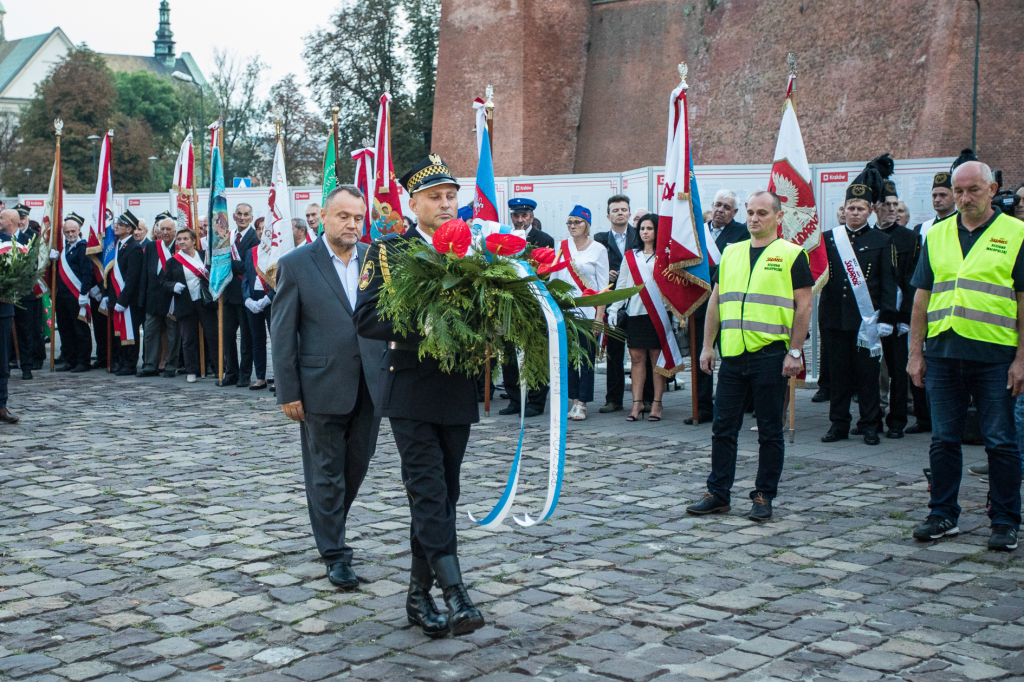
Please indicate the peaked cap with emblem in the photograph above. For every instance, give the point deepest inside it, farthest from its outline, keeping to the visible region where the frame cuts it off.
(162, 216)
(429, 172)
(128, 218)
(75, 218)
(22, 210)
(870, 184)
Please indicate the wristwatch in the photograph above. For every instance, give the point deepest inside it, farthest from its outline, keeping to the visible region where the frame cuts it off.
(796, 353)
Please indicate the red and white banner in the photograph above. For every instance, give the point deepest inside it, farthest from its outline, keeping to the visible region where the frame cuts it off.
(277, 222)
(183, 184)
(363, 159)
(671, 360)
(102, 204)
(791, 180)
(386, 209)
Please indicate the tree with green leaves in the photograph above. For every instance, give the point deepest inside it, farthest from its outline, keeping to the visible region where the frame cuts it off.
(303, 133)
(235, 86)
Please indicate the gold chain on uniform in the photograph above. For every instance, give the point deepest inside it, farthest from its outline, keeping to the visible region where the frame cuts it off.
(384, 270)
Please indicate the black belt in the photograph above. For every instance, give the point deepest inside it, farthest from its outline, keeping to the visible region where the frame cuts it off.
(401, 345)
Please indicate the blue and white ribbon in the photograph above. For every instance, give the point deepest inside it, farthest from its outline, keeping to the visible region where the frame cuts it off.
(558, 365)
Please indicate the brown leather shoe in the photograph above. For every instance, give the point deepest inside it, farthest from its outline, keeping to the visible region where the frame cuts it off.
(6, 416)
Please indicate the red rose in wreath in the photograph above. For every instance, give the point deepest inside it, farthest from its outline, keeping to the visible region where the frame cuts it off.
(454, 236)
(505, 244)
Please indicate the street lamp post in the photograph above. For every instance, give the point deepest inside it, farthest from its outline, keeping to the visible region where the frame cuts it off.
(28, 172)
(185, 78)
(95, 171)
(152, 179)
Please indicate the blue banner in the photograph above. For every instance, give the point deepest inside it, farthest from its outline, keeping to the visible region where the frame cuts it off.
(218, 252)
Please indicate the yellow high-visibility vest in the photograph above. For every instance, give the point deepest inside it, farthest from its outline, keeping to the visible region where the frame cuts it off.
(974, 296)
(756, 306)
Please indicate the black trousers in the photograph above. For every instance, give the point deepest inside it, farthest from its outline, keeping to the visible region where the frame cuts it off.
(824, 370)
(5, 352)
(705, 382)
(75, 339)
(431, 457)
(39, 347)
(896, 353)
(24, 323)
(99, 331)
(510, 376)
(189, 328)
(259, 326)
(853, 369)
(336, 452)
(235, 321)
(127, 354)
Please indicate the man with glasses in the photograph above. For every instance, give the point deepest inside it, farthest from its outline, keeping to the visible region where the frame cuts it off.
(724, 231)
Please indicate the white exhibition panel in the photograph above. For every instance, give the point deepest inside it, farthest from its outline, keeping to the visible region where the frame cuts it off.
(556, 195)
(636, 184)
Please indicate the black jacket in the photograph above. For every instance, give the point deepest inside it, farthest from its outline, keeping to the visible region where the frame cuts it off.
(25, 238)
(732, 233)
(614, 255)
(81, 266)
(540, 239)
(129, 259)
(174, 273)
(877, 259)
(908, 250)
(408, 387)
(156, 300)
(249, 276)
(6, 309)
(233, 292)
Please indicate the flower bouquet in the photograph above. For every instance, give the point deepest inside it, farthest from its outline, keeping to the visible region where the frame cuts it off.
(467, 297)
(19, 269)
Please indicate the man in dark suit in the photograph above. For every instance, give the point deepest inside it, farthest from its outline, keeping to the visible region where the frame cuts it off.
(724, 231)
(74, 267)
(522, 219)
(8, 226)
(430, 412)
(125, 294)
(326, 375)
(243, 239)
(618, 240)
(854, 357)
(158, 302)
(25, 313)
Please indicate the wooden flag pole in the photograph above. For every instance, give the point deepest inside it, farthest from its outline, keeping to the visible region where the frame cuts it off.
(693, 368)
(489, 109)
(56, 224)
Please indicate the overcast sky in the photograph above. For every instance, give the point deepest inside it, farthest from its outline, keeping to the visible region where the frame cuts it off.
(273, 30)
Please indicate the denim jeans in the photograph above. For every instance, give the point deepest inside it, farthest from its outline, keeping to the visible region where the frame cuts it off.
(1018, 420)
(761, 372)
(950, 382)
(581, 380)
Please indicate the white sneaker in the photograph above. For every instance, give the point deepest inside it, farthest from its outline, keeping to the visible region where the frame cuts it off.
(191, 378)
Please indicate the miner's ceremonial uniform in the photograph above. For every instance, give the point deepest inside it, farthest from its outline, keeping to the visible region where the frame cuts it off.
(430, 413)
(894, 347)
(854, 347)
(129, 296)
(158, 304)
(75, 336)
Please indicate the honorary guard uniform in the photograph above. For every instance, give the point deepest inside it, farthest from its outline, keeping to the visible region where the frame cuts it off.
(127, 299)
(858, 307)
(75, 336)
(536, 398)
(894, 347)
(430, 413)
(237, 373)
(762, 304)
(969, 280)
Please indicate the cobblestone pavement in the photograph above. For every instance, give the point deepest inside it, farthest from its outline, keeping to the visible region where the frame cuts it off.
(154, 530)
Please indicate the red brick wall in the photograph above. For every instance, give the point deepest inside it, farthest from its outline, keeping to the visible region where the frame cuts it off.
(874, 76)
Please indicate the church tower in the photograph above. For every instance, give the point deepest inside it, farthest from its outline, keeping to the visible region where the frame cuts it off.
(163, 46)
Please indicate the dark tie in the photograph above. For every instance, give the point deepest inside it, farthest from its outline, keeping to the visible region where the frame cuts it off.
(238, 238)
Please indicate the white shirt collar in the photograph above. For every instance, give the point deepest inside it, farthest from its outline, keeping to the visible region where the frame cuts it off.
(122, 242)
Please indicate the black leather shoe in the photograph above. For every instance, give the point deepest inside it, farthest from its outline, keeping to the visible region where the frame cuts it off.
(857, 431)
(701, 419)
(6, 417)
(532, 412)
(63, 368)
(419, 605)
(822, 396)
(125, 372)
(610, 407)
(503, 396)
(511, 409)
(709, 504)
(98, 365)
(169, 375)
(918, 427)
(26, 374)
(227, 381)
(341, 575)
(834, 434)
(463, 617)
(147, 373)
(894, 432)
(761, 510)
(258, 386)
(80, 369)
(242, 383)
(871, 438)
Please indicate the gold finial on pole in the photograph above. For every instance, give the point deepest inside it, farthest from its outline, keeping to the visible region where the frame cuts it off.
(683, 70)
(791, 60)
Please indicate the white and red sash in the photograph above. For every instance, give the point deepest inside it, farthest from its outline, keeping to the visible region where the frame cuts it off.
(671, 360)
(194, 267)
(311, 235)
(714, 255)
(578, 277)
(123, 327)
(7, 246)
(163, 252)
(261, 283)
(73, 284)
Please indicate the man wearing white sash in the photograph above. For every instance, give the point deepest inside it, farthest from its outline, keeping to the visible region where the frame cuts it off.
(858, 308)
(123, 294)
(761, 301)
(74, 270)
(158, 302)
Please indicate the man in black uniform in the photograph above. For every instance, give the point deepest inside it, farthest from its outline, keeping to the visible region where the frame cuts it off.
(430, 413)
(128, 257)
(522, 219)
(894, 347)
(724, 230)
(243, 239)
(75, 337)
(25, 313)
(850, 333)
(158, 302)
